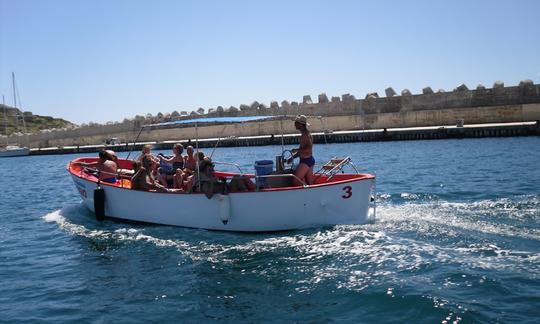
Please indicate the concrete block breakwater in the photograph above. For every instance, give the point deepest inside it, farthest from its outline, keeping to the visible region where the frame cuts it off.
(403, 134)
(461, 97)
(498, 104)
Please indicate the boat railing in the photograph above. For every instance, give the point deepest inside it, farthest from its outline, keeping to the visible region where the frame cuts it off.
(333, 166)
(256, 177)
(117, 174)
(230, 164)
(284, 175)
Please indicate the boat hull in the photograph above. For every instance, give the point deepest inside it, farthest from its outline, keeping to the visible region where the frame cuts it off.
(21, 151)
(345, 202)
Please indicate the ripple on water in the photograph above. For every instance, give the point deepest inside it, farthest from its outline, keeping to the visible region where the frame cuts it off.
(444, 248)
(367, 260)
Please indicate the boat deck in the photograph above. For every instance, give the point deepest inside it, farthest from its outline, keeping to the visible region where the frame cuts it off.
(277, 182)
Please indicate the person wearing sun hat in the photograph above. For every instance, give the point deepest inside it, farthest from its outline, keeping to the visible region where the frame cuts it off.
(304, 171)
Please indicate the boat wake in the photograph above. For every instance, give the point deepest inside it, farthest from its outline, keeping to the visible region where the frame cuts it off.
(405, 238)
(500, 217)
(75, 212)
(76, 220)
(414, 250)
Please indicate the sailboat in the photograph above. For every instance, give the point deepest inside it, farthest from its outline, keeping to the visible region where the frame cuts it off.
(14, 149)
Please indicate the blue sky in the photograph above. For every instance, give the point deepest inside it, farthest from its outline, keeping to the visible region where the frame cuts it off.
(106, 60)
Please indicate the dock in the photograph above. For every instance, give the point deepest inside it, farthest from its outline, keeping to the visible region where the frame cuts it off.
(395, 134)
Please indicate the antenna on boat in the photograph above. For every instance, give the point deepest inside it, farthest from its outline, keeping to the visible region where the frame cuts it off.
(134, 142)
(219, 139)
(197, 137)
(324, 128)
(246, 137)
(197, 150)
(282, 139)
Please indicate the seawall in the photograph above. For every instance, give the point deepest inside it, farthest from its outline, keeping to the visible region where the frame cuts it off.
(397, 134)
(498, 104)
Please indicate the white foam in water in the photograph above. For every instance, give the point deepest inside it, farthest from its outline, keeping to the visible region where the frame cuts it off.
(384, 251)
(437, 220)
(381, 247)
(75, 229)
(455, 217)
(136, 235)
(123, 234)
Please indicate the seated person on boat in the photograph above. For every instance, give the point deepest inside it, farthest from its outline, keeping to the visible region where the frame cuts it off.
(105, 166)
(174, 174)
(190, 163)
(192, 179)
(207, 182)
(241, 183)
(143, 178)
(147, 150)
(120, 173)
(111, 155)
(204, 180)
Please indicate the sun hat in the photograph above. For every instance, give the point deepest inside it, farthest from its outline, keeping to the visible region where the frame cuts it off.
(301, 119)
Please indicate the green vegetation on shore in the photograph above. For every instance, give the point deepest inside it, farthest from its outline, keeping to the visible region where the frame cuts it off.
(34, 123)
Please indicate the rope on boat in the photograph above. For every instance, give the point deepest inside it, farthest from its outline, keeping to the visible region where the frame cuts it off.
(197, 150)
(134, 142)
(217, 143)
(282, 135)
(375, 198)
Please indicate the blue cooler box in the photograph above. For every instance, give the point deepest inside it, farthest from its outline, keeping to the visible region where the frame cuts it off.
(263, 167)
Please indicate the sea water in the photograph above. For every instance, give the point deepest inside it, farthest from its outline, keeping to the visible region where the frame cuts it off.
(456, 240)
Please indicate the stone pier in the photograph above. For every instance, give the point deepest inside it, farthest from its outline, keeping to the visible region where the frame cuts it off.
(498, 104)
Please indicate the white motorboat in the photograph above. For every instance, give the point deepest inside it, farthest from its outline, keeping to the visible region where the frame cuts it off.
(341, 198)
(280, 204)
(14, 150)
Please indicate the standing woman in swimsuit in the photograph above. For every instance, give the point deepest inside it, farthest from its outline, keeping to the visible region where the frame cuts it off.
(304, 171)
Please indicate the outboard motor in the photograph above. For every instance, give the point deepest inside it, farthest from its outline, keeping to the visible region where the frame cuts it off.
(99, 203)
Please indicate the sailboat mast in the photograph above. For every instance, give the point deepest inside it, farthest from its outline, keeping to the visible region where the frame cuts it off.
(5, 120)
(18, 99)
(14, 93)
(15, 101)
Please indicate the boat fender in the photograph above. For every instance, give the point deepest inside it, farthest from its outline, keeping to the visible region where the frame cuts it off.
(99, 203)
(224, 187)
(224, 208)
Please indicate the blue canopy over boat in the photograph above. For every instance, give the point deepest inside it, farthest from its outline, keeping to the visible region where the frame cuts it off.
(212, 120)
